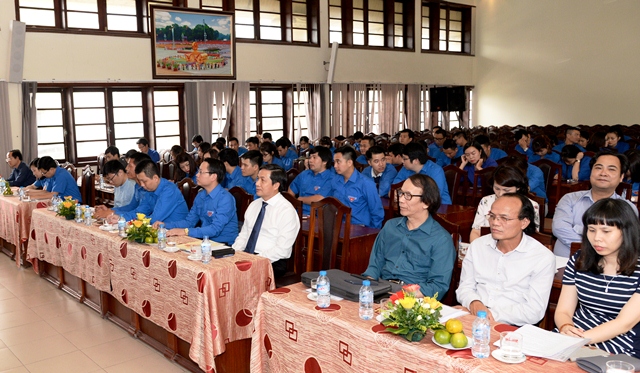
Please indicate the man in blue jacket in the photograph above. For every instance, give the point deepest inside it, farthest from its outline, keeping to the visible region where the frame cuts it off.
(381, 172)
(21, 175)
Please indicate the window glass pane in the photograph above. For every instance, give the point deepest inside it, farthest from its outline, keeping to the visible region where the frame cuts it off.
(244, 31)
(443, 13)
(375, 5)
(127, 98)
(376, 28)
(443, 24)
(38, 17)
(55, 151)
(122, 23)
(167, 128)
(50, 134)
(358, 27)
(299, 21)
(245, 18)
(83, 5)
(270, 124)
(335, 2)
(297, 8)
(212, 3)
(272, 110)
(397, 19)
(252, 110)
(121, 7)
(48, 100)
(397, 7)
(455, 26)
(443, 45)
(133, 114)
(358, 39)
(268, 19)
(48, 118)
(335, 12)
(167, 142)
(270, 6)
(89, 149)
(425, 23)
(398, 42)
(376, 40)
(270, 33)
(127, 144)
(358, 14)
(335, 37)
(300, 35)
(96, 132)
(455, 36)
(397, 30)
(335, 25)
(358, 4)
(271, 96)
(166, 113)
(161, 98)
(87, 99)
(86, 116)
(455, 47)
(244, 4)
(455, 15)
(128, 130)
(37, 3)
(376, 17)
(443, 35)
(82, 20)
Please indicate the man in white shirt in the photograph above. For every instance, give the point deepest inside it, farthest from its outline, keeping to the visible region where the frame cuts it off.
(271, 223)
(507, 273)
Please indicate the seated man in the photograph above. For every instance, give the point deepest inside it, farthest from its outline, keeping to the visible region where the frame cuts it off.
(287, 156)
(142, 201)
(461, 137)
(21, 175)
(233, 177)
(143, 145)
(59, 180)
(394, 154)
(252, 143)
(607, 172)
(365, 144)
(524, 143)
(356, 191)
(507, 273)
(111, 153)
(115, 174)
(314, 184)
(251, 161)
(448, 155)
(435, 148)
(406, 136)
(271, 223)
(571, 137)
(195, 141)
(575, 166)
(492, 153)
(213, 213)
(415, 249)
(170, 204)
(40, 180)
(235, 145)
(381, 172)
(416, 161)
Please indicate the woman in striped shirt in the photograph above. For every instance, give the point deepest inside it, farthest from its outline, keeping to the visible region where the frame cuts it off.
(600, 297)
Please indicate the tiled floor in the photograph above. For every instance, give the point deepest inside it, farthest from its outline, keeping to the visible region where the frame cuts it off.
(43, 329)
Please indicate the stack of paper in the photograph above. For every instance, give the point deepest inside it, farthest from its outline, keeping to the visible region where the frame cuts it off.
(450, 313)
(549, 345)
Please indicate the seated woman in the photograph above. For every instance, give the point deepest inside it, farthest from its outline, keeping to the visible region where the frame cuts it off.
(613, 141)
(474, 159)
(600, 297)
(575, 165)
(270, 154)
(541, 147)
(186, 167)
(505, 180)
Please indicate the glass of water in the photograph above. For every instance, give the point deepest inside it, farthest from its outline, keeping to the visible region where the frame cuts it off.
(511, 345)
(619, 366)
(314, 285)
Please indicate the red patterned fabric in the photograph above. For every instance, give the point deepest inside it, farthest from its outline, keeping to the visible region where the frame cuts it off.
(293, 335)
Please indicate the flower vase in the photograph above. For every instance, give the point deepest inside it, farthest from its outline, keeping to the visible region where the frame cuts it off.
(414, 336)
(69, 217)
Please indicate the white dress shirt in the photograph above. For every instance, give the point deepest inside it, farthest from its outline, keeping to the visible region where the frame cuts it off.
(515, 286)
(278, 232)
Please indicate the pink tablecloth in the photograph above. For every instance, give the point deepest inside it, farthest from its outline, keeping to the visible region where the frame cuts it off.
(15, 220)
(293, 336)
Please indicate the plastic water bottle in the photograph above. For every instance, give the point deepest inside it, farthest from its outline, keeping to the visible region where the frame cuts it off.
(162, 237)
(121, 227)
(366, 301)
(206, 250)
(79, 217)
(101, 186)
(21, 193)
(481, 332)
(324, 290)
(87, 215)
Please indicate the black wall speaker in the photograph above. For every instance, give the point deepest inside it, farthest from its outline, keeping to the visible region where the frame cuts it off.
(438, 99)
(456, 99)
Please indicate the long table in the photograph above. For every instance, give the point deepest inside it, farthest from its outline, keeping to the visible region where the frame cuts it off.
(292, 335)
(198, 310)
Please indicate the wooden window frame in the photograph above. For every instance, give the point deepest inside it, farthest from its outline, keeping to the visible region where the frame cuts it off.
(434, 26)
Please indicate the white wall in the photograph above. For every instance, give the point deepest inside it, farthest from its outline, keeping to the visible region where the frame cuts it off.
(557, 61)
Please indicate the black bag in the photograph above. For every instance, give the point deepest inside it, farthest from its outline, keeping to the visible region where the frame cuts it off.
(221, 253)
(348, 286)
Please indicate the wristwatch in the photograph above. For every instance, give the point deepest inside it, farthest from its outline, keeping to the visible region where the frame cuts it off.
(186, 231)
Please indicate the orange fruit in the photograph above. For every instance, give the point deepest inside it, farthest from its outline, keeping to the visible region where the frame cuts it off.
(442, 336)
(459, 340)
(453, 326)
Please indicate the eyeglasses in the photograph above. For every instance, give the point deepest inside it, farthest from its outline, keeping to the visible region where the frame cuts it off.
(499, 219)
(110, 179)
(438, 138)
(408, 196)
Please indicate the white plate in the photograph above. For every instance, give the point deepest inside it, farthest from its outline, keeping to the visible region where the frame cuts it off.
(448, 346)
(173, 249)
(497, 354)
(313, 296)
(195, 257)
(108, 227)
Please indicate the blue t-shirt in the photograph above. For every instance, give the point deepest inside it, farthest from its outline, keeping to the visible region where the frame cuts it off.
(471, 169)
(361, 195)
(235, 179)
(558, 148)
(362, 159)
(308, 184)
(63, 183)
(170, 204)
(142, 202)
(435, 172)
(497, 153)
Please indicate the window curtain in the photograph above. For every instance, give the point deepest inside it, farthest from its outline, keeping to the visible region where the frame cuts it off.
(29, 121)
(191, 109)
(5, 127)
(358, 112)
(339, 110)
(313, 109)
(445, 120)
(412, 107)
(389, 113)
(464, 119)
(200, 98)
(240, 111)
(222, 97)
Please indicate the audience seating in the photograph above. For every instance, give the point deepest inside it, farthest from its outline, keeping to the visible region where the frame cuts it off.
(540, 202)
(457, 184)
(394, 200)
(625, 190)
(450, 297)
(482, 186)
(243, 200)
(296, 262)
(291, 174)
(189, 190)
(549, 170)
(328, 217)
(165, 155)
(71, 168)
(88, 187)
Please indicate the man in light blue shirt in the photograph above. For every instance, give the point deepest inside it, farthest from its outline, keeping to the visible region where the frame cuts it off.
(416, 161)
(115, 174)
(381, 172)
(355, 191)
(607, 172)
(143, 145)
(314, 184)
(170, 204)
(213, 213)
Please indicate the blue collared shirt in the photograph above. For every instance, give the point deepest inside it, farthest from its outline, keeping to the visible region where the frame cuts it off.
(124, 193)
(242, 150)
(558, 148)
(21, 176)
(434, 150)
(308, 184)
(621, 147)
(154, 155)
(583, 174)
(216, 214)
(442, 160)
(170, 204)
(235, 179)
(362, 159)
(433, 171)
(249, 185)
(386, 178)
(423, 256)
(63, 183)
(361, 195)
(536, 181)
(567, 219)
(527, 153)
(497, 153)
(142, 202)
(43, 183)
(471, 169)
(552, 156)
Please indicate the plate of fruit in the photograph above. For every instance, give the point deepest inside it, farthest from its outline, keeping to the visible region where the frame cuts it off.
(452, 337)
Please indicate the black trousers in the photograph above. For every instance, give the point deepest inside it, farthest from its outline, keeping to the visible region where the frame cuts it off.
(279, 267)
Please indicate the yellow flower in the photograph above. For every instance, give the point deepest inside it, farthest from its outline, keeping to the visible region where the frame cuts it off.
(140, 216)
(67, 204)
(137, 223)
(146, 221)
(407, 302)
(68, 198)
(433, 302)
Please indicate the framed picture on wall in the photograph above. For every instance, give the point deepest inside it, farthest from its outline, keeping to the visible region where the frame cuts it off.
(192, 44)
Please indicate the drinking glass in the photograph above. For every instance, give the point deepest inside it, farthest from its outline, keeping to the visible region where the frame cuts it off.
(619, 366)
(314, 285)
(511, 345)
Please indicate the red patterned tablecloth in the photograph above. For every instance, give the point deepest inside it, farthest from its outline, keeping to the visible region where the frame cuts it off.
(293, 336)
(207, 305)
(15, 219)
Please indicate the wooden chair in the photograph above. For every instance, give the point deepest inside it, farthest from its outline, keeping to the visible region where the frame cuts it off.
(291, 174)
(360, 166)
(296, 261)
(88, 187)
(327, 218)
(167, 170)
(165, 155)
(625, 190)
(189, 190)
(540, 202)
(481, 185)
(456, 182)
(545, 239)
(243, 200)
(575, 246)
(394, 200)
(450, 297)
(298, 164)
(71, 168)
(549, 170)
(101, 163)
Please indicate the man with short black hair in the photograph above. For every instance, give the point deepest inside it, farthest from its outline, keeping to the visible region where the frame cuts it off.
(124, 188)
(492, 153)
(365, 144)
(415, 160)
(394, 154)
(381, 172)
(170, 204)
(406, 136)
(203, 148)
(143, 145)
(252, 143)
(213, 213)
(357, 138)
(21, 175)
(235, 145)
(449, 154)
(266, 137)
(195, 141)
(250, 163)
(287, 155)
(59, 180)
(461, 138)
(435, 148)
(314, 184)
(233, 177)
(111, 153)
(356, 191)
(271, 223)
(571, 137)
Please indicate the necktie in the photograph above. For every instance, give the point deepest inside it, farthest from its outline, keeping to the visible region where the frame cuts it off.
(377, 180)
(253, 238)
